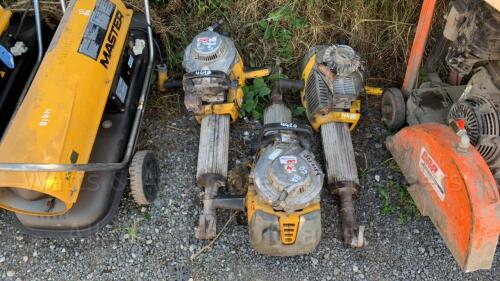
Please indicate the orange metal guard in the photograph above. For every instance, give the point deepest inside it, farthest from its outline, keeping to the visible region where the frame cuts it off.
(418, 47)
(454, 188)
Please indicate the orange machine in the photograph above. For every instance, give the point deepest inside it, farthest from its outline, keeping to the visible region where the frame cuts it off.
(450, 153)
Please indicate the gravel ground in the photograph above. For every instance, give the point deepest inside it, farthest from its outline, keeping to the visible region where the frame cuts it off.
(156, 243)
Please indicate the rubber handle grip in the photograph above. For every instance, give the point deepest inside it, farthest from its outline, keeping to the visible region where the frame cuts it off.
(173, 84)
(216, 25)
(290, 84)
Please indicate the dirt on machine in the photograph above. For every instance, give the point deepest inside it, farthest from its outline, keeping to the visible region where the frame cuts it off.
(450, 152)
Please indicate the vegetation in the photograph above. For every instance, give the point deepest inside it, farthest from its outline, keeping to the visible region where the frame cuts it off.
(381, 30)
(132, 231)
(256, 96)
(396, 199)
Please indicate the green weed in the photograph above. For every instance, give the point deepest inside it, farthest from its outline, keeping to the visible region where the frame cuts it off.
(396, 199)
(256, 97)
(205, 7)
(298, 111)
(406, 205)
(279, 27)
(362, 173)
(387, 207)
(423, 76)
(132, 231)
(393, 166)
(147, 216)
(380, 30)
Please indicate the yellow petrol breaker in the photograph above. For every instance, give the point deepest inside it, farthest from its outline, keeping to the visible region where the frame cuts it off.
(333, 81)
(215, 75)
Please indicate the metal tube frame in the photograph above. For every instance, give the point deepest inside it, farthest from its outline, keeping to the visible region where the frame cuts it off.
(31, 77)
(94, 167)
(63, 6)
(418, 46)
(39, 38)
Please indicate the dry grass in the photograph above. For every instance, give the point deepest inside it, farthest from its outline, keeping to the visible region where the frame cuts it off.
(381, 30)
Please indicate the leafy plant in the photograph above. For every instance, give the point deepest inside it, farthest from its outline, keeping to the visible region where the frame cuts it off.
(280, 25)
(256, 97)
(387, 207)
(407, 206)
(396, 198)
(258, 94)
(298, 111)
(276, 76)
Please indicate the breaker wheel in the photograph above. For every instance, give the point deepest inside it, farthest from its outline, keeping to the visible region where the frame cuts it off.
(393, 109)
(144, 177)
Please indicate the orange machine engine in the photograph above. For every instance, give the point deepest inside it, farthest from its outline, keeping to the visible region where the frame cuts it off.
(452, 184)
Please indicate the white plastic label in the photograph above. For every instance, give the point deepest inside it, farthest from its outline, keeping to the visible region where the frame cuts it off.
(285, 138)
(83, 12)
(130, 61)
(206, 43)
(139, 46)
(121, 90)
(275, 154)
(433, 173)
(203, 72)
